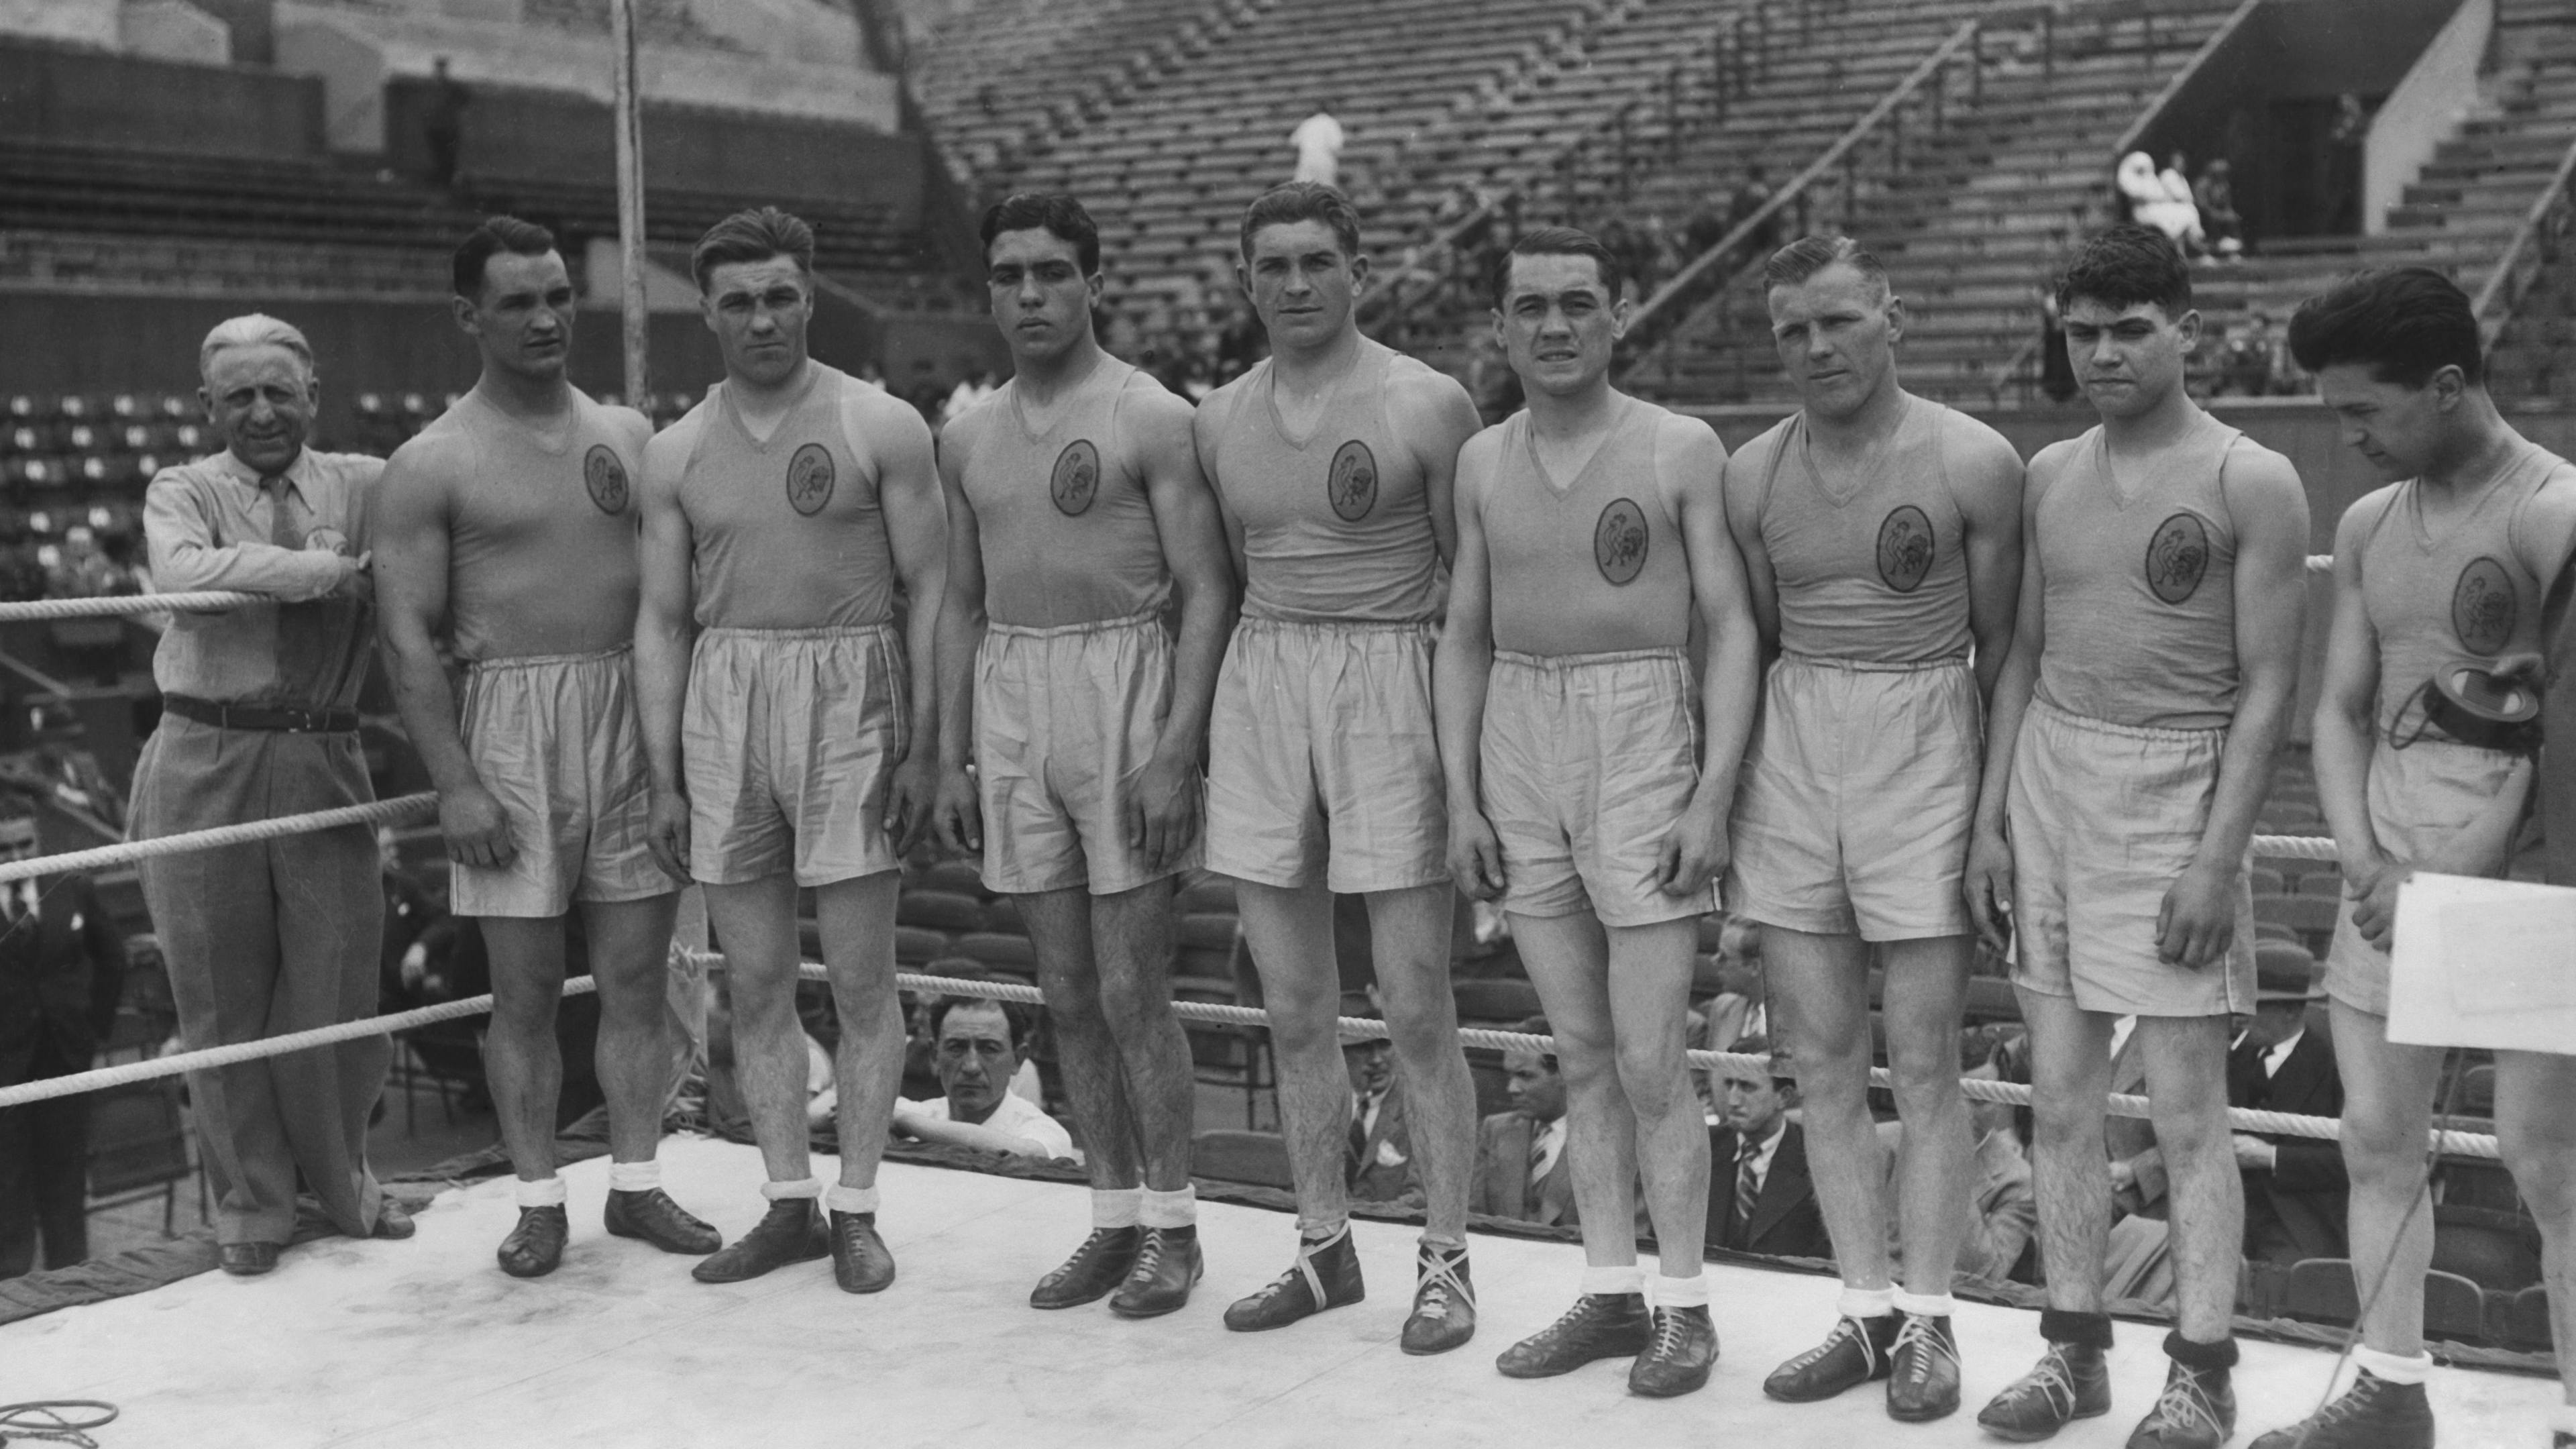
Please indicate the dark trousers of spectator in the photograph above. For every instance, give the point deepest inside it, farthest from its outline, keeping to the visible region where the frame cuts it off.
(44, 1175)
(264, 939)
(443, 147)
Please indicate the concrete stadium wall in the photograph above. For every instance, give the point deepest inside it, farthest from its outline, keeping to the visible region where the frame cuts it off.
(536, 135)
(97, 98)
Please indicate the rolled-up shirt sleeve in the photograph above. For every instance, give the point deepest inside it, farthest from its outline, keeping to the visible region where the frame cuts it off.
(186, 557)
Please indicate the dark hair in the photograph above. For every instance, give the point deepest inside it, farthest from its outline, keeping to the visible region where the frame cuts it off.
(1015, 1018)
(1537, 1026)
(497, 234)
(2125, 265)
(1755, 1044)
(753, 236)
(1808, 255)
(2404, 323)
(1050, 211)
(1556, 241)
(1296, 201)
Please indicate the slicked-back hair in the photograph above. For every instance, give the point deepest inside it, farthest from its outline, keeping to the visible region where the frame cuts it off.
(1295, 201)
(1014, 1020)
(2127, 265)
(1556, 241)
(253, 329)
(1053, 212)
(1802, 259)
(1776, 1062)
(753, 236)
(2403, 323)
(496, 235)
(1537, 1026)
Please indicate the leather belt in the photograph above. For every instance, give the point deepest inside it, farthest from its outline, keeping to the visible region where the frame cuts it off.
(261, 716)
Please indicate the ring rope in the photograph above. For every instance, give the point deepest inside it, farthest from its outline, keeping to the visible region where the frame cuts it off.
(2243, 1119)
(375, 812)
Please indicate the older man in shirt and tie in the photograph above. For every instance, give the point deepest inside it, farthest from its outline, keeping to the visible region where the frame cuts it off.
(259, 719)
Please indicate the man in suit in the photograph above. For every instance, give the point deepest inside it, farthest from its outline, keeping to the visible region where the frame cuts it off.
(1760, 1199)
(62, 968)
(1522, 1170)
(1377, 1166)
(2295, 1187)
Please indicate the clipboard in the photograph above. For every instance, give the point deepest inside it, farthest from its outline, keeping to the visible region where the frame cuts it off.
(2483, 963)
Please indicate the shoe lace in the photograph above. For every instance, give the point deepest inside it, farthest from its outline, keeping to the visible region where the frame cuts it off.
(1928, 1347)
(2354, 1402)
(1302, 1271)
(2185, 1401)
(2050, 1379)
(1149, 1256)
(1669, 1332)
(1440, 1283)
(1844, 1329)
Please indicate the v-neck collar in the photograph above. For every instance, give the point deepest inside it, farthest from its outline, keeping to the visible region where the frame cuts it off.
(1538, 461)
(742, 425)
(1873, 464)
(1323, 409)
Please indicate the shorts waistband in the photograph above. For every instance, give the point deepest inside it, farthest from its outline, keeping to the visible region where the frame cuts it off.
(2059, 714)
(1556, 662)
(828, 631)
(1875, 666)
(540, 661)
(1148, 618)
(1335, 626)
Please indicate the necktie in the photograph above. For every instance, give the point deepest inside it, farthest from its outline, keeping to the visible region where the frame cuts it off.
(1747, 1186)
(281, 522)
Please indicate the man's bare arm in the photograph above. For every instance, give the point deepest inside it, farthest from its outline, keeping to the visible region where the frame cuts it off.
(1205, 426)
(1194, 549)
(1742, 491)
(1432, 411)
(1989, 882)
(1460, 669)
(413, 509)
(916, 523)
(1692, 475)
(1988, 492)
(662, 636)
(956, 814)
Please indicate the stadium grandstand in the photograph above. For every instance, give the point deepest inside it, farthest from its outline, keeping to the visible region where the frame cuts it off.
(168, 163)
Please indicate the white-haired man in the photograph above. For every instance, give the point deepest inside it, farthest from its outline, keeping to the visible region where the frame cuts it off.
(259, 719)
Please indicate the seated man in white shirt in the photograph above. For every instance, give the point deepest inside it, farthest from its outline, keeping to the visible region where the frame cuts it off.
(976, 1052)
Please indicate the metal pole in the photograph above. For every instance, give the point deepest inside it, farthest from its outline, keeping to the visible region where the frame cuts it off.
(629, 118)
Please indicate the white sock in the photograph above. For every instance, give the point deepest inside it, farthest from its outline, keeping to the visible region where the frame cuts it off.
(1312, 1231)
(801, 1187)
(1866, 1302)
(841, 1199)
(2395, 1368)
(543, 1192)
(1116, 1207)
(1690, 1292)
(1178, 1208)
(1925, 1305)
(635, 1176)
(1624, 1278)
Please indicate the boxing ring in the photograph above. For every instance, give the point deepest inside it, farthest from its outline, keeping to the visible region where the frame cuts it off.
(425, 1344)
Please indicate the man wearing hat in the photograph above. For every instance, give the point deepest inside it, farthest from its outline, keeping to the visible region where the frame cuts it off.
(2294, 1186)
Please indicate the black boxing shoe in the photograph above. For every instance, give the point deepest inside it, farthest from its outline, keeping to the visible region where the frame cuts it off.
(1093, 1272)
(1159, 1281)
(652, 1216)
(1855, 1353)
(861, 1262)
(1326, 1275)
(247, 1260)
(1678, 1358)
(1444, 1303)
(791, 1232)
(1598, 1326)
(536, 1245)
(2372, 1414)
(392, 1223)
(2197, 1410)
(2070, 1382)
(1923, 1370)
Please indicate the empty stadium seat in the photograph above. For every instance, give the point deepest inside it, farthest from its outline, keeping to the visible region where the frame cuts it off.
(1259, 1159)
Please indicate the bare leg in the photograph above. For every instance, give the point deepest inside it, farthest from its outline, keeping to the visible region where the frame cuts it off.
(1927, 984)
(1132, 934)
(2070, 1074)
(1649, 980)
(1569, 962)
(1059, 925)
(630, 958)
(1291, 936)
(1820, 998)
(755, 922)
(2536, 1126)
(1409, 934)
(2387, 1108)
(521, 1061)
(857, 917)
(2186, 1059)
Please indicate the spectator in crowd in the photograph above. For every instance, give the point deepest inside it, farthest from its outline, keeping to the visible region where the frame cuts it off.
(62, 970)
(1378, 1167)
(1521, 1166)
(1760, 1199)
(977, 1054)
(259, 717)
(2002, 1209)
(2295, 1187)
(2341, 163)
(2056, 369)
(442, 123)
(2252, 358)
(1319, 140)
(2137, 1253)
(2161, 199)
(1749, 199)
(2214, 194)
